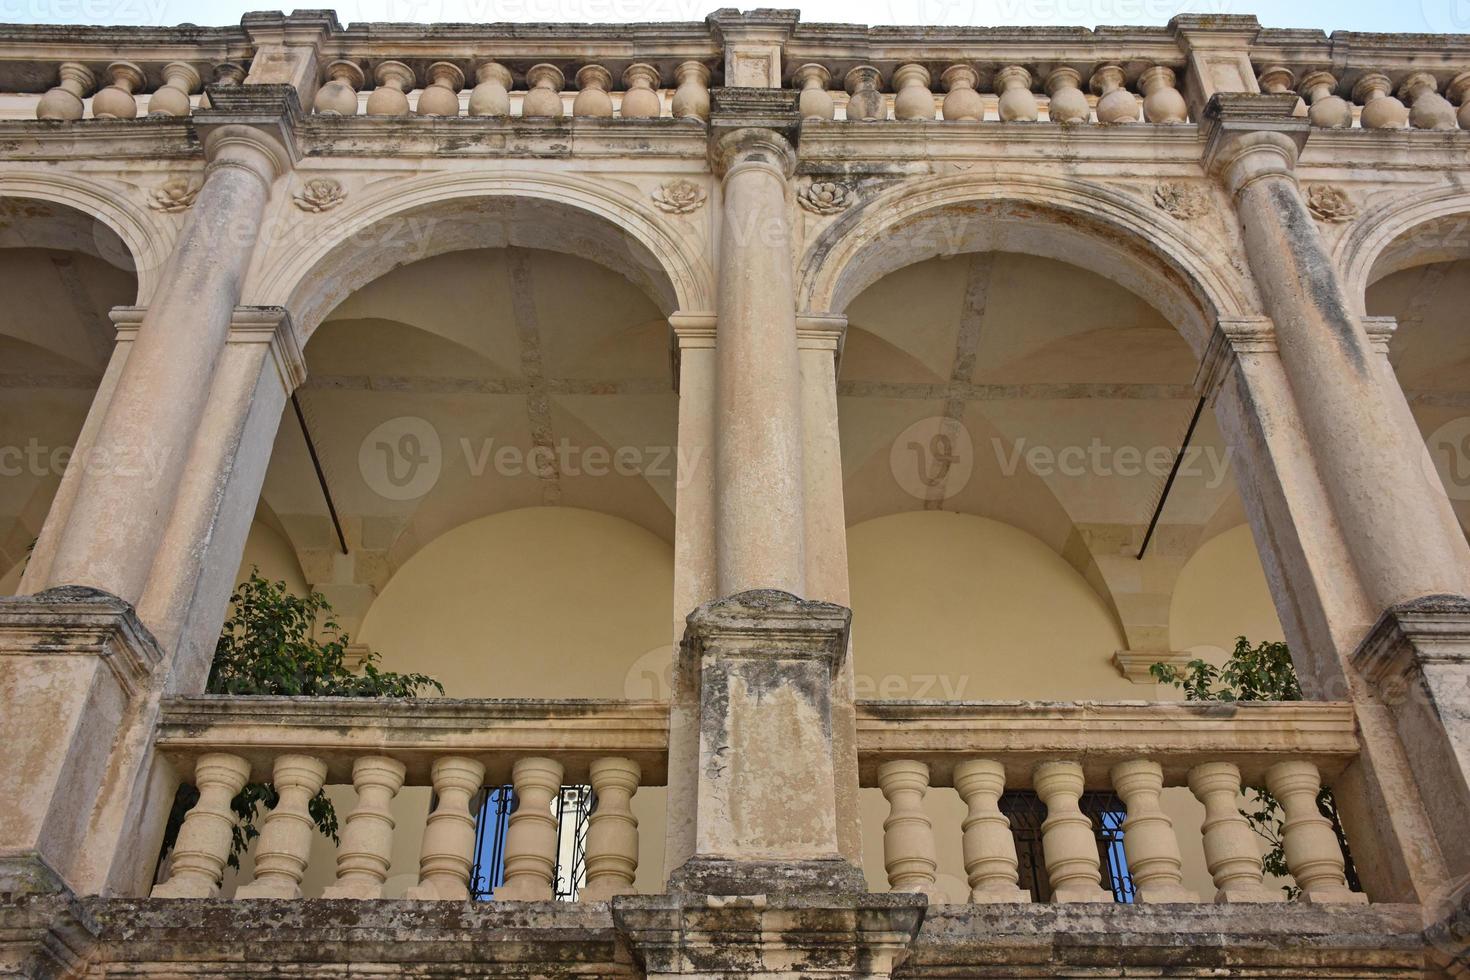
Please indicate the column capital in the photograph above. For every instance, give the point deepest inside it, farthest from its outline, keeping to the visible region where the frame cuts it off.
(272, 325)
(251, 126)
(769, 622)
(1232, 337)
(689, 331)
(1249, 136)
(747, 148)
(1411, 635)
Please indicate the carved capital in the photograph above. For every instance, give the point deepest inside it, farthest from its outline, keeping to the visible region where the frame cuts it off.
(1232, 337)
(744, 149)
(1252, 136)
(251, 126)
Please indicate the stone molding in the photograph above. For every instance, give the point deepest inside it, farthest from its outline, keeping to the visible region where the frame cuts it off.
(1178, 734)
(249, 325)
(1135, 664)
(75, 620)
(416, 732)
(689, 331)
(765, 622)
(264, 119)
(1407, 637)
(1249, 136)
(1232, 337)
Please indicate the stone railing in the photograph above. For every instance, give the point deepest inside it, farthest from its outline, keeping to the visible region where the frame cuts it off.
(976, 91)
(1418, 99)
(300, 744)
(1061, 750)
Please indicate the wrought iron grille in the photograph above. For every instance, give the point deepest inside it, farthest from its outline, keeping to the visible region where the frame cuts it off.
(1026, 812)
(574, 804)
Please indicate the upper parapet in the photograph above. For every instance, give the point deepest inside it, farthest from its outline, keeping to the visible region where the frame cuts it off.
(1108, 74)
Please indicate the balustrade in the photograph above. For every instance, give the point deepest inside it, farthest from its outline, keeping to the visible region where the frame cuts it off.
(1062, 751)
(1393, 98)
(457, 747)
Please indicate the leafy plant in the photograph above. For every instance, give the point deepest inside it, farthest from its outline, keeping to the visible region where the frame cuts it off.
(272, 644)
(1254, 673)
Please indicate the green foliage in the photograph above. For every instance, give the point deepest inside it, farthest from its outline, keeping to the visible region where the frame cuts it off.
(272, 645)
(1253, 673)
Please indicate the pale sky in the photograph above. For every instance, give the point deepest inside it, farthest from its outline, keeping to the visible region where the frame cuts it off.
(1439, 16)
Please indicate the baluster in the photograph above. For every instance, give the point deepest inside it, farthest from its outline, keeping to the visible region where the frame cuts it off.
(1017, 103)
(172, 97)
(229, 73)
(1328, 110)
(961, 100)
(284, 846)
(116, 100)
(395, 80)
(1427, 108)
(367, 836)
(65, 100)
(691, 97)
(914, 100)
(491, 94)
(338, 96)
(1068, 103)
(593, 100)
(1280, 80)
(531, 839)
(640, 93)
(441, 96)
(1231, 850)
(612, 831)
(1458, 90)
(1380, 109)
(447, 853)
(1313, 854)
(1148, 834)
(1115, 104)
(908, 835)
(990, 850)
(865, 102)
(815, 101)
(543, 96)
(1162, 101)
(203, 845)
(1066, 836)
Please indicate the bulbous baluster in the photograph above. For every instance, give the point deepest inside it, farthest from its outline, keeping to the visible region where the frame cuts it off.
(1328, 110)
(1162, 100)
(1458, 90)
(1068, 103)
(116, 100)
(65, 100)
(366, 850)
(202, 849)
(1380, 109)
(815, 101)
(1017, 103)
(441, 96)
(989, 848)
(1313, 854)
(1148, 834)
(285, 837)
(865, 102)
(447, 853)
(1066, 836)
(531, 839)
(1427, 108)
(913, 99)
(962, 101)
(395, 80)
(691, 97)
(1231, 850)
(180, 79)
(338, 96)
(593, 100)
(908, 834)
(1279, 80)
(543, 96)
(1115, 104)
(491, 94)
(612, 830)
(640, 93)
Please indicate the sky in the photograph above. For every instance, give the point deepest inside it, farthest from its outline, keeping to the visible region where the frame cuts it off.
(1440, 16)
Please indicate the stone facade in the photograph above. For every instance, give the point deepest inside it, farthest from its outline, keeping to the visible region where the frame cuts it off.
(751, 176)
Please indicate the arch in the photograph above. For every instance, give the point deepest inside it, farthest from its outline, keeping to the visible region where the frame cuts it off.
(314, 272)
(1378, 243)
(1073, 221)
(148, 243)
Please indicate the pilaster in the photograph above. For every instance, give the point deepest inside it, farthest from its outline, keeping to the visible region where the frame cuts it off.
(753, 44)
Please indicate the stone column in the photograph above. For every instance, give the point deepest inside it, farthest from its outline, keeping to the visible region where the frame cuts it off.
(120, 512)
(1395, 526)
(758, 448)
(819, 343)
(694, 565)
(765, 812)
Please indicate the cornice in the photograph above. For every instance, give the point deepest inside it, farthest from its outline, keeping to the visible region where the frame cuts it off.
(150, 138)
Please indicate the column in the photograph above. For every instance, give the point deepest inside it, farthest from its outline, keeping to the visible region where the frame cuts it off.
(758, 447)
(119, 515)
(1340, 490)
(694, 565)
(819, 342)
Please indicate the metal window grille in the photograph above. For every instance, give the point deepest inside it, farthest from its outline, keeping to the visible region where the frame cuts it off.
(1026, 812)
(573, 806)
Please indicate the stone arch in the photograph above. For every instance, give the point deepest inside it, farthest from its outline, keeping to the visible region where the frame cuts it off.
(147, 242)
(457, 211)
(1433, 226)
(1073, 221)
